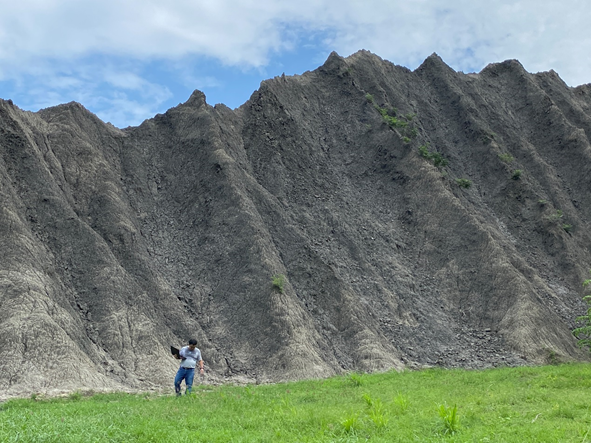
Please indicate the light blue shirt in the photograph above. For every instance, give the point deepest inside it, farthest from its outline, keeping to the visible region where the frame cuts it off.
(190, 357)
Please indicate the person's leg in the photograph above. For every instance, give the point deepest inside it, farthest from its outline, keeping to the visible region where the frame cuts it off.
(189, 380)
(180, 375)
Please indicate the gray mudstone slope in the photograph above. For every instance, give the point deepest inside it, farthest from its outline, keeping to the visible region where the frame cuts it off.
(116, 244)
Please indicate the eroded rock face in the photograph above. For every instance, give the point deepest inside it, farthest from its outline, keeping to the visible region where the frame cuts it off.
(118, 243)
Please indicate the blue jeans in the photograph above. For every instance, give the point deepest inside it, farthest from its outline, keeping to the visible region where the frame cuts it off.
(186, 374)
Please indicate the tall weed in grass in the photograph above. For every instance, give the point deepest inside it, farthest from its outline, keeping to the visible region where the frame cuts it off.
(378, 414)
(356, 379)
(350, 423)
(401, 402)
(368, 400)
(449, 416)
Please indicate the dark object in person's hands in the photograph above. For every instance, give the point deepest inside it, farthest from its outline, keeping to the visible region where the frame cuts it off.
(175, 351)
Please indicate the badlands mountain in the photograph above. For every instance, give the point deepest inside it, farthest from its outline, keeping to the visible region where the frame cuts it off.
(425, 217)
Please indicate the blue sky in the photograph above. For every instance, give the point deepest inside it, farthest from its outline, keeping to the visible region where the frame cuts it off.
(127, 60)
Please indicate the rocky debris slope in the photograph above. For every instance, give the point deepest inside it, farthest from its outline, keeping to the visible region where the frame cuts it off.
(420, 217)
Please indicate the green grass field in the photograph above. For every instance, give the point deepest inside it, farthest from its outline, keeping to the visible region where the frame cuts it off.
(526, 404)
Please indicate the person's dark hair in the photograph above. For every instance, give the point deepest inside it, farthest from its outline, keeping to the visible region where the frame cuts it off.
(193, 342)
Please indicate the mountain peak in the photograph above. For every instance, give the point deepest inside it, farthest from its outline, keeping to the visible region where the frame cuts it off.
(197, 99)
(434, 63)
(333, 64)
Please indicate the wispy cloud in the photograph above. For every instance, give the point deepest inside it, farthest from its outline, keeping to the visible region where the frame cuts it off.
(129, 59)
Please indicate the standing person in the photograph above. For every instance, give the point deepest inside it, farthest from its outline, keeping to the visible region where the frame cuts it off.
(190, 356)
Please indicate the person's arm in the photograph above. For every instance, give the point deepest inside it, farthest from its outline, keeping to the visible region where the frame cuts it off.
(200, 360)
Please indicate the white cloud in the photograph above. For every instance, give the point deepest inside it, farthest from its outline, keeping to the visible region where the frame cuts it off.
(241, 31)
(59, 44)
(247, 32)
(469, 34)
(115, 93)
